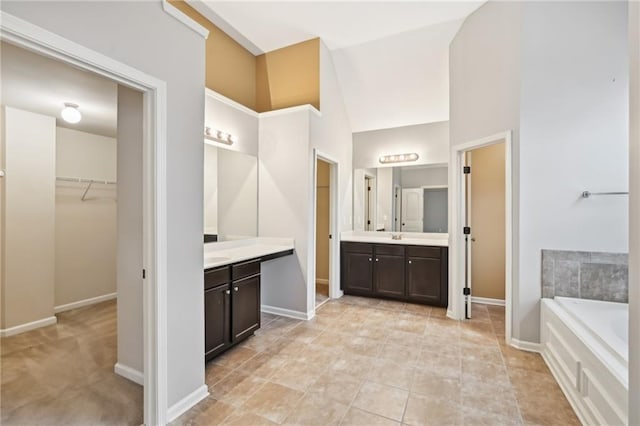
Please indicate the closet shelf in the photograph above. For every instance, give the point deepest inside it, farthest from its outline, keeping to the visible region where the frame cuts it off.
(89, 182)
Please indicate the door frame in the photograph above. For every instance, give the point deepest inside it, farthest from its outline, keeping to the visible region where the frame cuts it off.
(455, 309)
(334, 230)
(36, 39)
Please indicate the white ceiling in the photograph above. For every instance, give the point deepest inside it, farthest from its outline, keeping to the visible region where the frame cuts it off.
(392, 58)
(35, 83)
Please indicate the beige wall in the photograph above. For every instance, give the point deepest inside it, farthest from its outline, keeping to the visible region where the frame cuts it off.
(487, 222)
(85, 231)
(289, 76)
(28, 229)
(230, 68)
(322, 220)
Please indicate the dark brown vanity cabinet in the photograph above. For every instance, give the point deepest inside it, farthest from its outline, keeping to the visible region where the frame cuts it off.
(416, 274)
(231, 305)
(357, 268)
(388, 267)
(427, 274)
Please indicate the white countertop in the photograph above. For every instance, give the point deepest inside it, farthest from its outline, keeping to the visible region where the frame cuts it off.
(408, 238)
(228, 252)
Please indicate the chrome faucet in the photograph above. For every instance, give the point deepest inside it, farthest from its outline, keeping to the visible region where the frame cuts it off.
(396, 236)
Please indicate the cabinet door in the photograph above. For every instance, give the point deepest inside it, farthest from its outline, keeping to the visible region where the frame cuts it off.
(424, 280)
(357, 272)
(245, 307)
(389, 275)
(216, 320)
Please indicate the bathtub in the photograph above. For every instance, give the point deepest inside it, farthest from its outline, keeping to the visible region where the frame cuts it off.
(585, 343)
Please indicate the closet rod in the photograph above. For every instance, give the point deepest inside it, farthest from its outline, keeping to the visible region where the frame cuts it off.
(83, 180)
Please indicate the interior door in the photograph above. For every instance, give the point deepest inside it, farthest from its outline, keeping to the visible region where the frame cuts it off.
(412, 207)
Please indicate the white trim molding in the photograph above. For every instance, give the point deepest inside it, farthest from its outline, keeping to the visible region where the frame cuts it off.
(129, 373)
(287, 312)
(85, 302)
(180, 407)
(12, 331)
(230, 102)
(526, 346)
(185, 19)
(291, 110)
(487, 301)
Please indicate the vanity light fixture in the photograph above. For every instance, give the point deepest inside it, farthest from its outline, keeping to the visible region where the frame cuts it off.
(70, 113)
(218, 136)
(398, 158)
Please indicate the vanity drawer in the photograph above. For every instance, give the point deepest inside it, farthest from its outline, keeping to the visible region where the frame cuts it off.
(216, 277)
(417, 251)
(392, 250)
(245, 269)
(365, 248)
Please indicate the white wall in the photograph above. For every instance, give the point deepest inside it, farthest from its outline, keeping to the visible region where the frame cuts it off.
(231, 117)
(424, 176)
(237, 195)
(28, 231)
(164, 37)
(429, 141)
(485, 94)
(634, 213)
(129, 225)
(85, 231)
(286, 187)
(545, 70)
(573, 137)
(284, 179)
(210, 189)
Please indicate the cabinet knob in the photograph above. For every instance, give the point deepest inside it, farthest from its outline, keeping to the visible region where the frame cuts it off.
(228, 291)
(377, 260)
(369, 259)
(235, 289)
(409, 262)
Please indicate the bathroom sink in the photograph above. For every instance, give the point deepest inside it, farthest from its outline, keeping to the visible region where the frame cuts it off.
(216, 258)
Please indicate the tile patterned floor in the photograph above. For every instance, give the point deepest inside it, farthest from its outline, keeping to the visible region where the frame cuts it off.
(374, 362)
(63, 374)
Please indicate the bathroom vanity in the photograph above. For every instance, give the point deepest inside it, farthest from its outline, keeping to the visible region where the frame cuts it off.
(232, 289)
(412, 270)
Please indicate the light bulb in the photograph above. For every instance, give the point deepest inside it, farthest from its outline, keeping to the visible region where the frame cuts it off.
(70, 113)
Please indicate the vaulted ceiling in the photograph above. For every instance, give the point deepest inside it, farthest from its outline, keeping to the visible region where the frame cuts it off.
(392, 58)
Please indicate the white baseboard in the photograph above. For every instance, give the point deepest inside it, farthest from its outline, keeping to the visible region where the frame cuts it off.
(287, 312)
(11, 331)
(322, 281)
(85, 302)
(129, 373)
(487, 301)
(180, 407)
(526, 346)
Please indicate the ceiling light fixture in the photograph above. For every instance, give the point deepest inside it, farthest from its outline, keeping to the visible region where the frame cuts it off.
(398, 158)
(213, 135)
(70, 113)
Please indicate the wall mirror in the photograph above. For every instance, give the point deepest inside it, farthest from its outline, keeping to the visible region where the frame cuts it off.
(230, 195)
(401, 199)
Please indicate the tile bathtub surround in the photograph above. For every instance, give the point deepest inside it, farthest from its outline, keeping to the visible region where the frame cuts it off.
(370, 362)
(63, 374)
(585, 275)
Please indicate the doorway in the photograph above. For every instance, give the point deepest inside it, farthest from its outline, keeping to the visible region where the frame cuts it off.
(323, 215)
(154, 187)
(325, 255)
(489, 273)
(370, 203)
